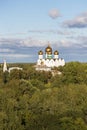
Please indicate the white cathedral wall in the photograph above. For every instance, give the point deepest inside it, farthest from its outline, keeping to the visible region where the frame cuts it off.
(47, 63)
(40, 56)
(57, 63)
(43, 60)
(56, 56)
(63, 62)
(51, 63)
(38, 62)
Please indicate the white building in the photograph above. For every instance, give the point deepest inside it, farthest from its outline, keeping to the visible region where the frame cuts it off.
(4, 66)
(50, 60)
(9, 69)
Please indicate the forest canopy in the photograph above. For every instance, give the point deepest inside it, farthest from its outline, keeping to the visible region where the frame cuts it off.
(33, 100)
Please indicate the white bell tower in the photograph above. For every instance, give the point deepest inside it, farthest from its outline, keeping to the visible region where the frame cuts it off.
(4, 66)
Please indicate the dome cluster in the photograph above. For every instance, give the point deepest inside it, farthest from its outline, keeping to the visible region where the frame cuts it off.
(49, 60)
(48, 51)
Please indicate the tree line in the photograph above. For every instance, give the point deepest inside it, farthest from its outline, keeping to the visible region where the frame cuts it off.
(33, 100)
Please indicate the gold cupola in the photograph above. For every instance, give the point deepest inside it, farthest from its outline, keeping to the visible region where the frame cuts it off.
(56, 52)
(48, 50)
(40, 52)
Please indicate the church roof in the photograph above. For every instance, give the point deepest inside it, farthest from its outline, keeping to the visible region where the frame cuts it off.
(56, 52)
(48, 49)
(40, 52)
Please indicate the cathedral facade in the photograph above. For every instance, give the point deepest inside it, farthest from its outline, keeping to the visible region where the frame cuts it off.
(49, 60)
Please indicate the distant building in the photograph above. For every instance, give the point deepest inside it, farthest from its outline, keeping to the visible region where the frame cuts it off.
(11, 68)
(50, 60)
(14, 68)
(5, 66)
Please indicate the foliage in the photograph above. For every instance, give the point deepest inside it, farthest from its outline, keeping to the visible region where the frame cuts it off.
(31, 100)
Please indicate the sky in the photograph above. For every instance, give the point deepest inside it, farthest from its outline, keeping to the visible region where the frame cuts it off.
(27, 26)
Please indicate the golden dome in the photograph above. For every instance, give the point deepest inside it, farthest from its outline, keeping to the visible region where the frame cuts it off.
(56, 52)
(40, 52)
(48, 49)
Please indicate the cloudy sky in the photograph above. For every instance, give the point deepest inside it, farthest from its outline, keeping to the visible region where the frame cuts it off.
(26, 26)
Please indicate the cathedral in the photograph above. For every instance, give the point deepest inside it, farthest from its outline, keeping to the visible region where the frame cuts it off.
(49, 60)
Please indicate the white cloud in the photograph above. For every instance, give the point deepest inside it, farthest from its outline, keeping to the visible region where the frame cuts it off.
(78, 22)
(6, 51)
(30, 42)
(9, 41)
(8, 45)
(25, 52)
(54, 13)
(27, 42)
(82, 41)
(59, 32)
(16, 55)
(63, 43)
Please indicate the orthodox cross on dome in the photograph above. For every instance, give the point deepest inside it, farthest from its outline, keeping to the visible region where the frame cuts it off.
(48, 43)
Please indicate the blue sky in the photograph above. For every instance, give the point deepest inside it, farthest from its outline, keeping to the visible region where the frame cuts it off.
(26, 26)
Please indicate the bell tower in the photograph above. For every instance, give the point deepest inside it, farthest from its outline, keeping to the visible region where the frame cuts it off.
(4, 66)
